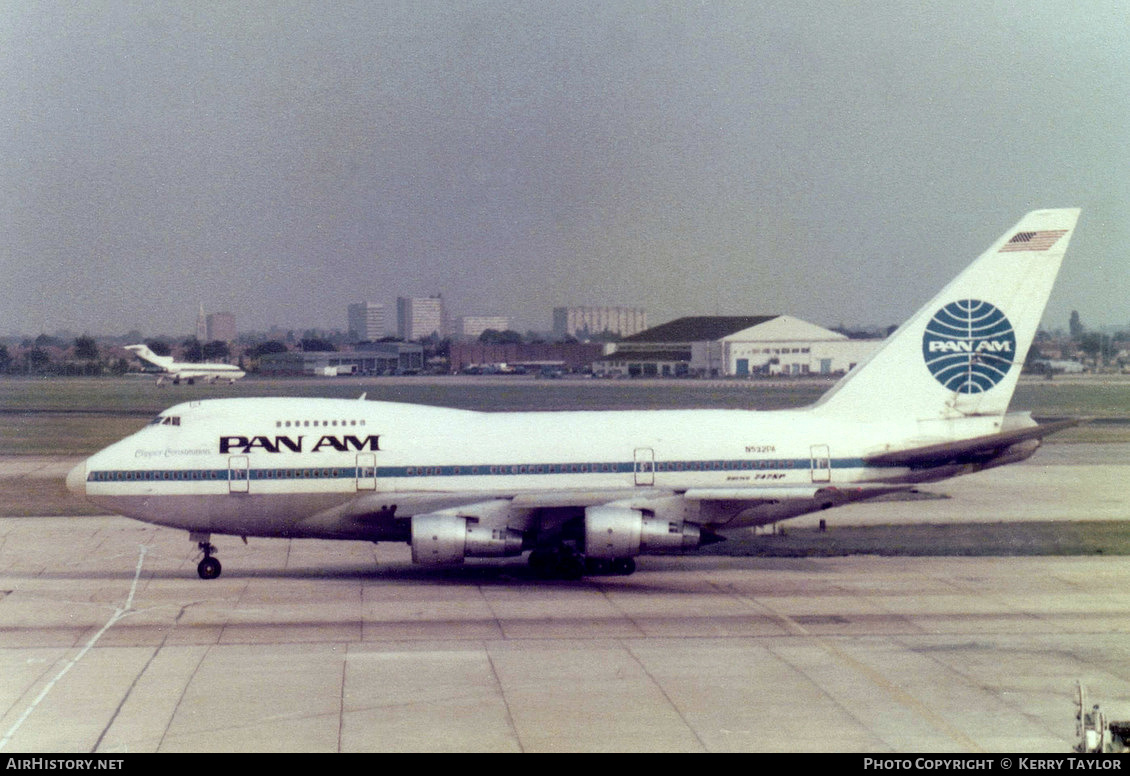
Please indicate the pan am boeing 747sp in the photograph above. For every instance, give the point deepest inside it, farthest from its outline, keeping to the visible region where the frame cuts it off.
(176, 371)
(587, 492)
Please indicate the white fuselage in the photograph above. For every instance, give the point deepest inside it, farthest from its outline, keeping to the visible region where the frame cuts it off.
(176, 370)
(334, 468)
(206, 372)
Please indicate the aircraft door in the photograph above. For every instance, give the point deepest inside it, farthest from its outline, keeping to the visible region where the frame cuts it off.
(645, 466)
(238, 474)
(821, 464)
(366, 471)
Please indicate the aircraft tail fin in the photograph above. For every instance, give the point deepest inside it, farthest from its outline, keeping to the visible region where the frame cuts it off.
(149, 357)
(961, 354)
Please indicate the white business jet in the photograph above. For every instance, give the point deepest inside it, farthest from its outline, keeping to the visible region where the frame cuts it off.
(177, 371)
(588, 492)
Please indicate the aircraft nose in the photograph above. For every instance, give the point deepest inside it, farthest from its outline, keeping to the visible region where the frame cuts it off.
(76, 479)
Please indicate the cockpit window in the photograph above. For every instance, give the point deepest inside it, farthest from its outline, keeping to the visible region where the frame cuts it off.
(165, 420)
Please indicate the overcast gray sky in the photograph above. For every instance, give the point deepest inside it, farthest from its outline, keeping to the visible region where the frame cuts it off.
(837, 161)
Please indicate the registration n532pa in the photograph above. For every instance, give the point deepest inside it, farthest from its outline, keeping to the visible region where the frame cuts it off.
(588, 492)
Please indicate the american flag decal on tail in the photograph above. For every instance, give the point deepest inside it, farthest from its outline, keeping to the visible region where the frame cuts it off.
(1033, 241)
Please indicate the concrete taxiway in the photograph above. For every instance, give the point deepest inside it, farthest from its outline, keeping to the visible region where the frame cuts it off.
(110, 643)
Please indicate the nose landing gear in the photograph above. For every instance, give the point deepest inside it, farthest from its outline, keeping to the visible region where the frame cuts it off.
(209, 567)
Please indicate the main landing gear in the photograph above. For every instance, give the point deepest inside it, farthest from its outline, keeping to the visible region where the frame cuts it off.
(209, 567)
(564, 562)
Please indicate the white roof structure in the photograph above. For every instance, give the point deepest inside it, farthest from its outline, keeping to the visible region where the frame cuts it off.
(782, 328)
(738, 346)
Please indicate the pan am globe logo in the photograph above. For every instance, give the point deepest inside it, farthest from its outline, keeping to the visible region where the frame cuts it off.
(969, 346)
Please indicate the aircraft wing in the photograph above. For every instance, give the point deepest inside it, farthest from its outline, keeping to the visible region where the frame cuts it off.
(977, 450)
(719, 507)
(412, 503)
(367, 508)
(832, 495)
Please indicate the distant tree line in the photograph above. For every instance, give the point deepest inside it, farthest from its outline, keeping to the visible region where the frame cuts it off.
(51, 356)
(46, 355)
(1098, 349)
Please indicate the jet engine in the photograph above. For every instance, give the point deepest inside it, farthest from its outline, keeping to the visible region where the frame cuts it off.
(613, 531)
(447, 538)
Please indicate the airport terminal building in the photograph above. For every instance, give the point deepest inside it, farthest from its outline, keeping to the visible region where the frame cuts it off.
(735, 346)
(370, 358)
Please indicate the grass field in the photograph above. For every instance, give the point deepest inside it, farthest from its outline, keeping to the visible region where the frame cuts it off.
(143, 397)
(1101, 396)
(75, 416)
(41, 497)
(965, 539)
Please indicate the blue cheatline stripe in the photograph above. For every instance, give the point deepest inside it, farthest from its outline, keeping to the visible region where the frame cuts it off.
(481, 470)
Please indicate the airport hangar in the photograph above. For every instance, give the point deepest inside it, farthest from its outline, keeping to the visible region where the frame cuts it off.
(735, 346)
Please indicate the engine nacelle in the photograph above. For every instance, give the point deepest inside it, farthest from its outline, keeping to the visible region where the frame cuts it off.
(440, 538)
(624, 532)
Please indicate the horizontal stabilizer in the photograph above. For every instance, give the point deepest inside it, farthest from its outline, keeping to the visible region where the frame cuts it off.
(976, 450)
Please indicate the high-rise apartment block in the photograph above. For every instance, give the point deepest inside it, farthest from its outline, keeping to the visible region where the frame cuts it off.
(420, 318)
(366, 321)
(220, 327)
(581, 321)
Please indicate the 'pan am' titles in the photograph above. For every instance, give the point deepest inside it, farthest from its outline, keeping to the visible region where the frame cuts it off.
(283, 444)
(969, 346)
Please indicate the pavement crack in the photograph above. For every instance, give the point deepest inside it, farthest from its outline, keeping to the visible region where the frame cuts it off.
(119, 613)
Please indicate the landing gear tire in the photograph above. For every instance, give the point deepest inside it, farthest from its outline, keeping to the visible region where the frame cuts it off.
(597, 566)
(209, 568)
(558, 563)
(541, 563)
(620, 567)
(571, 567)
(624, 566)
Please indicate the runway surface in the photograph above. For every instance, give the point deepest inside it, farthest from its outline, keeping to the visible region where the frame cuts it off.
(110, 643)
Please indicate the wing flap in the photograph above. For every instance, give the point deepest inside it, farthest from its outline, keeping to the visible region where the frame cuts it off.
(585, 498)
(778, 494)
